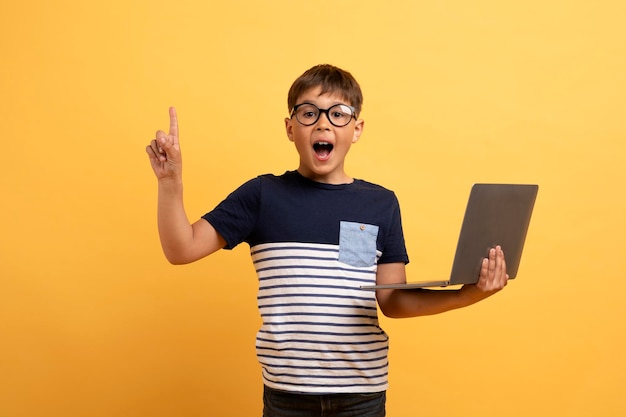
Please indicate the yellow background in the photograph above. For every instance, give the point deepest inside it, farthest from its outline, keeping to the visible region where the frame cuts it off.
(95, 322)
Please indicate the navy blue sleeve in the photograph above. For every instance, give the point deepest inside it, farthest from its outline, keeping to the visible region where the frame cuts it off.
(236, 216)
(394, 249)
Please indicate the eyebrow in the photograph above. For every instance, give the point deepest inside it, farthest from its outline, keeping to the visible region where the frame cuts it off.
(332, 105)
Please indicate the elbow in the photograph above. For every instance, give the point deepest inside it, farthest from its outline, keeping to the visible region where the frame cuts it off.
(393, 313)
(175, 258)
(390, 309)
(175, 261)
(402, 304)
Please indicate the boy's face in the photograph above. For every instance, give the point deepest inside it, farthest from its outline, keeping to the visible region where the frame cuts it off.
(323, 146)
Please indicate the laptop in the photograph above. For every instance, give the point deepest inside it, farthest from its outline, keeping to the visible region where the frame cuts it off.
(496, 214)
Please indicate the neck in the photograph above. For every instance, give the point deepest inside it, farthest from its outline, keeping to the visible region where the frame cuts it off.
(334, 179)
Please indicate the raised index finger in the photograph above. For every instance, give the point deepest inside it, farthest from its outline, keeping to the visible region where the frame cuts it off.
(173, 122)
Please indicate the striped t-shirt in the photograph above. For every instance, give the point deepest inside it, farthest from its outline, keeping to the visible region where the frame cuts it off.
(313, 245)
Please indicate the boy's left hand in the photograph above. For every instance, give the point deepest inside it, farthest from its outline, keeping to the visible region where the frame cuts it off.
(493, 276)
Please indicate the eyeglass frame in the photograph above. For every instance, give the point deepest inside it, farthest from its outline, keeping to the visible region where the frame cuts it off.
(352, 116)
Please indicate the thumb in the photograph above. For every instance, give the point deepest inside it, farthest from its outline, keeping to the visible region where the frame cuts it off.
(170, 147)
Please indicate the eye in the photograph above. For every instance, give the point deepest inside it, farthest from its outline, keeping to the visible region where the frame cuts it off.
(341, 110)
(306, 112)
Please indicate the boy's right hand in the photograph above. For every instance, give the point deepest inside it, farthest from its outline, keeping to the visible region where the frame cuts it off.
(164, 151)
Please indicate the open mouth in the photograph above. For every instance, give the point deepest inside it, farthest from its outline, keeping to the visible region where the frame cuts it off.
(322, 149)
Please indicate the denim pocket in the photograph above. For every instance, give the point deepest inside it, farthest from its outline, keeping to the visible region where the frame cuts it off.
(357, 244)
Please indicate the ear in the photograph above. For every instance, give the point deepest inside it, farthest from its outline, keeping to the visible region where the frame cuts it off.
(289, 128)
(358, 130)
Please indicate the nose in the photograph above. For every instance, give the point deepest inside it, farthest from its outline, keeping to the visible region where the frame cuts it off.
(323, 122)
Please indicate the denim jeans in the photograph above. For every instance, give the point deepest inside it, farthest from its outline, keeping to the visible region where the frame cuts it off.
(278, 403)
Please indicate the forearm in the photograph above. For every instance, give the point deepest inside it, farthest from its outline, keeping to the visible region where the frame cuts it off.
(423, 302)
(175, 230)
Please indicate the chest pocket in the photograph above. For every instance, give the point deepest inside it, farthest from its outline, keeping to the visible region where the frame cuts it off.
(357, 244)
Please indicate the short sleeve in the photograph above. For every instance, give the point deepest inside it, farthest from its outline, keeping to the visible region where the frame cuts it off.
(393, 245)
(236, 216)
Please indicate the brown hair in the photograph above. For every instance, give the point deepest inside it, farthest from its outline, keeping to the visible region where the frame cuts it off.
(332, 80)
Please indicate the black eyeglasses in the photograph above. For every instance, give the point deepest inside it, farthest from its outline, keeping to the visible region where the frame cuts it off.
(308, 114)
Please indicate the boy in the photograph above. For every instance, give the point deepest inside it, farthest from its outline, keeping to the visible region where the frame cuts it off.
(316, 235)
